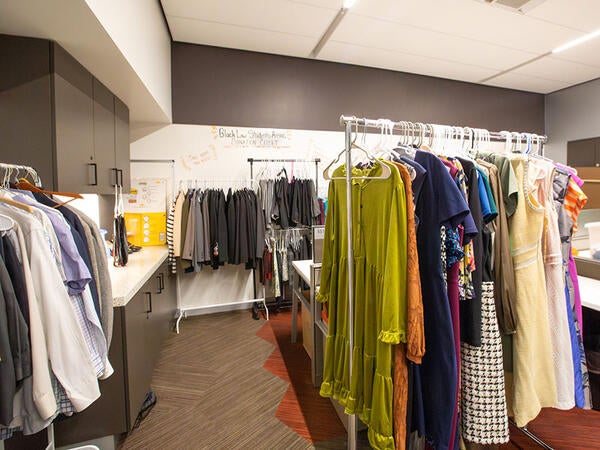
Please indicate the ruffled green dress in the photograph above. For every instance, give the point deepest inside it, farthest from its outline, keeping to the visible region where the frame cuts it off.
(380, 296)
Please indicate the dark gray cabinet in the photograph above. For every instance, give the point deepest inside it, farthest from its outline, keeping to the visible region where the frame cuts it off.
(104, 137)
(56, 117)
(140, 328)
(122, 143)
(584, 153)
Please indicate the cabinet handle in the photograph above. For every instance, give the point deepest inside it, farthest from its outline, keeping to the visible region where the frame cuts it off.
(116, 172)
(160, 287)
(161, 280)
(95, 166)
(149, 296)
(120, 177)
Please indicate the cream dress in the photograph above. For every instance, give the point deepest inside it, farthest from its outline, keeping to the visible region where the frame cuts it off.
(532, 384)
(562, 355)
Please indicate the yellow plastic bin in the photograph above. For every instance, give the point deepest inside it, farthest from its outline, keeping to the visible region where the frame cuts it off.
(146, 229)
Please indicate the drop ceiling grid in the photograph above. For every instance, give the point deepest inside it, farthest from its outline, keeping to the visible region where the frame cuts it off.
(241, 37)
(403, 62)
(431, 44)
(521, 82)
(471, 19)
(582, 15)
(267, 15)
(466, 40)
(552, 68)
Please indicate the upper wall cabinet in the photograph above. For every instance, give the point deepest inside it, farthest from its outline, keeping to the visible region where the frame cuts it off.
(584, 153)
(56, 117)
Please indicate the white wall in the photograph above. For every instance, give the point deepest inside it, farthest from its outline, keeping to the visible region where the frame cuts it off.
(201, 153)
(138, 29)
(571, 114)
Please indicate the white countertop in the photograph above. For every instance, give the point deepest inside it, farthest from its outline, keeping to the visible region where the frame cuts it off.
(302, 268)
(590, 292)
(127, 281)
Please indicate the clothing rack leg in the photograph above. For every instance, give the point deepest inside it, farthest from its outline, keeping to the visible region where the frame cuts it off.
(352, 418)
(50, 431)
(532, 436)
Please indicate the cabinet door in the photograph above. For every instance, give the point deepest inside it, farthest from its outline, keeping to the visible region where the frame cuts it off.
(74, 136)
(74, 122)
(139, 348)
(107, 415)
(122, 143)
(166, 303)
(581, 153)
(104, 138)
(26, 126)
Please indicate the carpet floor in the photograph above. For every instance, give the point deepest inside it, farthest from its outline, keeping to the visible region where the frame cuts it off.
(230, 382)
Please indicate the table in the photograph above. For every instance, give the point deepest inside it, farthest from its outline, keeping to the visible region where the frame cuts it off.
(589, 289)
(308, 271)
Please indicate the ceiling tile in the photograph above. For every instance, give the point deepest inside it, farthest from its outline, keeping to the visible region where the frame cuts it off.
(587, 53)
(230, 36)
(526, 83)
(330, 4)
(583, 15)
(552, 68)
(272, 15)
(471, 19)
(386, 59)
(417, 41)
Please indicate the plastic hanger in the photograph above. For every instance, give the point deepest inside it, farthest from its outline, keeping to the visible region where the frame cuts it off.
(386, 172)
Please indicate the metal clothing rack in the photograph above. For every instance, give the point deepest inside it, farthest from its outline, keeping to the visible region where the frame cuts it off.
(8, 168)
(414, 130)
(182, 312)
(252, 161)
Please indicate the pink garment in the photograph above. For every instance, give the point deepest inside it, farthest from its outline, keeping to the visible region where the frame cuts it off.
(452, 276)
(577, 300)
(577, 180)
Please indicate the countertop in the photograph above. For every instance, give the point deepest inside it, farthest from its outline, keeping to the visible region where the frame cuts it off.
(128, 280)
(302, 268)
(589, 289)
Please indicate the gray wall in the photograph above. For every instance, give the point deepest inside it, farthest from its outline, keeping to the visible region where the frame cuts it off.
(573, 113)
(214, 85)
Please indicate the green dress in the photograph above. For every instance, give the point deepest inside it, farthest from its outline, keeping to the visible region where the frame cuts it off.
(380, 296)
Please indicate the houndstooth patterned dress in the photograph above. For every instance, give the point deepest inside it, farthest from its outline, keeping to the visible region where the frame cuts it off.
(483, 405)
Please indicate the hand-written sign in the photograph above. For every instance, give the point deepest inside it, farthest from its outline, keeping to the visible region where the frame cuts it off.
(251, 137)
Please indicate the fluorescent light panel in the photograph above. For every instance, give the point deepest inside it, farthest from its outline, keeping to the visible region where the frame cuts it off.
(348, 4)
(577, 41)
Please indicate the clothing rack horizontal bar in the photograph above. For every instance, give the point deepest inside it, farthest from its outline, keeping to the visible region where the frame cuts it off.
(314, 160)
(496, 136)
(281, 230)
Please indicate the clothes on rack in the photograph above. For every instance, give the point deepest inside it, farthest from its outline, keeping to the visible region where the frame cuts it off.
(491, 328)
(55, 311)
(283, 247)
(289, 203)
(212, 228)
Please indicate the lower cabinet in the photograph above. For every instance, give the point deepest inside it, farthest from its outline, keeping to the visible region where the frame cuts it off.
(140, 328)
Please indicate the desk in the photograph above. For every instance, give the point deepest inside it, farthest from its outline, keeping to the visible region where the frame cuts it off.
(589, 289)
(308, 272)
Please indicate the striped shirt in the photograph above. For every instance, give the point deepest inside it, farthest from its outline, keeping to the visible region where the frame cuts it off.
(170, 226)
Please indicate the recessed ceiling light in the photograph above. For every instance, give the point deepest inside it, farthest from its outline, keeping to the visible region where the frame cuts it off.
(577, 41)
(348, 4)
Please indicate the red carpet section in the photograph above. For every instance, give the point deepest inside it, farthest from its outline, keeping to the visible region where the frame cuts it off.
(301, 408)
